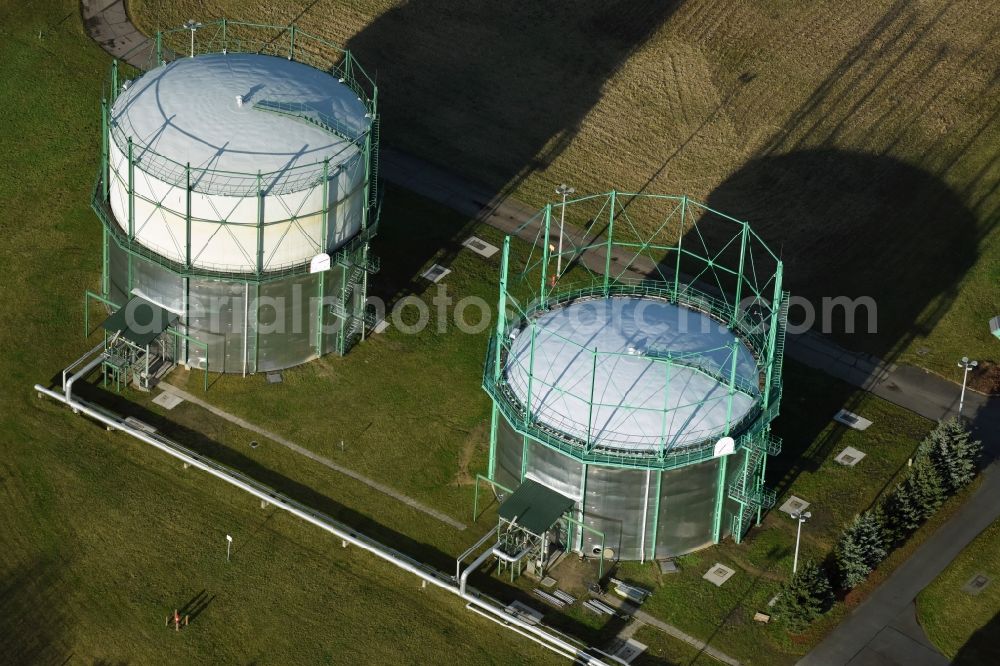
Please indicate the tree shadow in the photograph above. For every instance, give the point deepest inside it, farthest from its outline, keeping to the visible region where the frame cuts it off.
(982, 647)
(494, 89)
(34, 626)
(855, 226)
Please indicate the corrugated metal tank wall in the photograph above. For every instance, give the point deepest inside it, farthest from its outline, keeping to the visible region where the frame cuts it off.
(622, 502)
(282, 313)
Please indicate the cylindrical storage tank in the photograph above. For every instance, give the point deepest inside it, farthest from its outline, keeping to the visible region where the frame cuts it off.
(226, 178)
(645, 401)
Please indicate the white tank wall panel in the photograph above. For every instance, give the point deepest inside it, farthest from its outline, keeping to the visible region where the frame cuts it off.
(186, 111)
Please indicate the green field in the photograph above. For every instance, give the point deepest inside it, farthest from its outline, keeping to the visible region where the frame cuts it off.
(104, 536)
(960, 624)
(859, 141)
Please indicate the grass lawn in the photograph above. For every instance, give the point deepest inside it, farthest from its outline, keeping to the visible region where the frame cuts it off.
(860, 144)
(106, 536)
(961, 625)
(102, 537)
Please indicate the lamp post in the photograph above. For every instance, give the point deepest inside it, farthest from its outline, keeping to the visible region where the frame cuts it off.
(966, 365)
(563, 191)
(193, 26)
(800, 517)
(229, 546)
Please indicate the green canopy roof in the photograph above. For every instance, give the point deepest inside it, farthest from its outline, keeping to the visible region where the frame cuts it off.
(535, 507)
(140, 322)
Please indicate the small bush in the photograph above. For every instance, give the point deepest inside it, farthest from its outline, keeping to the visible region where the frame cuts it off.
(860, 549)
(804, 598)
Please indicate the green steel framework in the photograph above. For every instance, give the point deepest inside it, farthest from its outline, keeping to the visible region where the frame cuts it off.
(352, 259)
(662, 247)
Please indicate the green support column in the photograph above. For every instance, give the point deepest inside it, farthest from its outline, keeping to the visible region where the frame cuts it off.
(225, 40)
(131, 194)
(656, 514)
(720, 496)
(666, 404)
(531, 372)
(291, 42)
(105, 268)
(607, 252)
(114, 81)
(590, 405)
(583, 508)
(323, 246)
(105, 168)
(763, 468)
(343, 303)
(720, 500)
(187, 214)
(491, 468)
(545, 253)
(524, 456)
(739, 275)
(772, 336)
(680, 240)
(260, 225)
(159, 45)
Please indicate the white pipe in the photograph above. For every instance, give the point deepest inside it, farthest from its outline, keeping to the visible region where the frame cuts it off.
(98, 347)
(470, 549)
(325, 523)
(68, 384)
(510, 558)
(518, 631)
(475, 565)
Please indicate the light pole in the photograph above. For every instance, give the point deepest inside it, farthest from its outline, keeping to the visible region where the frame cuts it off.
(563, 191)
(967, 365)
(229, 545)
(193, 26)
(800, 517)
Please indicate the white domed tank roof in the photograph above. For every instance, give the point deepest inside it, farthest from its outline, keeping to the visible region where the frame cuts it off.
(188, 112)
(629, 398)
(254, 136)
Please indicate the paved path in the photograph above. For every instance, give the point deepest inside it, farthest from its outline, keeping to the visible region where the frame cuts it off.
(346, 471)
(882, 630)
(641, 617)
(108, 24)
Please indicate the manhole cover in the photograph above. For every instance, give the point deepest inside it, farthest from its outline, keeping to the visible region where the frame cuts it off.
(977, 584)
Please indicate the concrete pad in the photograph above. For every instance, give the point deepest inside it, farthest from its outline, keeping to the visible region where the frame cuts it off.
(167, 400)
(718, 574)
(273, 378)
(849, 457)
(548, 581)
(630, 650)
(668, 567)
(851, 420)
(435, 273)
(793, 504)
(480, 247)
(380, 326)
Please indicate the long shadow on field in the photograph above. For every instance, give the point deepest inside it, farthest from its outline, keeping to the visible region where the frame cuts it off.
(33, 622)
(982, 647)
(866, 228)
(497, 89)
